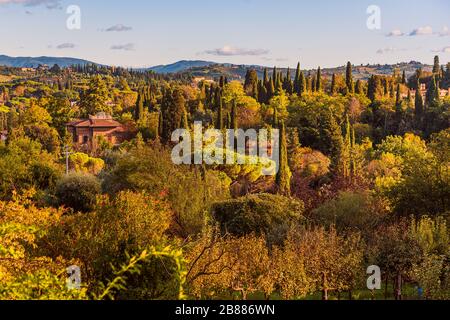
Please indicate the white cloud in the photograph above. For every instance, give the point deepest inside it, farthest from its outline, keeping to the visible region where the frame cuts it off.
(422, 31)
(118, 28)
(386, 50)
(232, 51)
(125, 47)
(49, 4)
(66, 45)
(395, 33)
(443, 50)
(445, 32)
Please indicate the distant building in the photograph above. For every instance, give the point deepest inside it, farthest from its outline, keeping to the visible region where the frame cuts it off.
(423, 91)
(87, 132)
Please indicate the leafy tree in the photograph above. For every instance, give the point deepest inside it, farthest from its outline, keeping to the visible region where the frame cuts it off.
(78, 192)
(262, 214)
(95, 98)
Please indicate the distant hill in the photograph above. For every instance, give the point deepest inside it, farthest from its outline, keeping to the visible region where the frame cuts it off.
(237, 72)
(180, 66)
(212, 70)
(33, 62)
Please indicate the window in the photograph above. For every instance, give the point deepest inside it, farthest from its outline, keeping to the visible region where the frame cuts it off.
(85, 139)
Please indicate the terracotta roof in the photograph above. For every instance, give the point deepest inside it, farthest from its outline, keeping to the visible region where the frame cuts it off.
(94, 123)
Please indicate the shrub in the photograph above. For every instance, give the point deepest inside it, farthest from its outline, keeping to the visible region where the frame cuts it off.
(78, 191)
(271, 215)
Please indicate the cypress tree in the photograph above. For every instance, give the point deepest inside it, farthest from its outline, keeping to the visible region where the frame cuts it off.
(349, 78)
(184, 120)
(432, 92)
(234, 124)
(333, 84)
(287, 85)
(278, 86)
(302, 84)
(283, 177)
(398, 96)
(358, 87)
(404, 77)
(319, 80)
(160, 124)
(229, 120)
(418, 104)
(436, 66)
(275, 118)
(139, 109)
(270, 89)
(274, 76)
(222, 81)
(219, 123)
(297, 80)
(266, 76)
(313, 84)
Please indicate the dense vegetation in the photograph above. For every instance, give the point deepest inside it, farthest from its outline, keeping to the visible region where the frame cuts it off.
(363, 180)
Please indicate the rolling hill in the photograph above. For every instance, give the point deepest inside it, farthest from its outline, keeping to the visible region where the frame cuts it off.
(180, 66)
(33, 62)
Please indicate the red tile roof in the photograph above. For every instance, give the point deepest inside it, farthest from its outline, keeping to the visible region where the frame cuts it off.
(94, 123)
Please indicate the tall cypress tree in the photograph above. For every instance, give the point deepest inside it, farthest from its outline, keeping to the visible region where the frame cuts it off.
(359, 87)
(432, 92)
(219, 122)
(287, 84)
(313, 84)
(283, 177)
(333, 84)
(184, 121)
(160, 124)
(418, 104)
(229, 120)
(398, 97)
(266, 76)
(139, 109)
(274, 76)
(404, 77)
(302, 84)
(319, 80)
(275, 118)
(270, 89)
(234, 115)
(349, 78)
(436, 66)
(297, 80)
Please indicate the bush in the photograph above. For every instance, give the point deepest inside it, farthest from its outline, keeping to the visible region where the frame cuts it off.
(267, 214)
(125, 224)
(78, 191)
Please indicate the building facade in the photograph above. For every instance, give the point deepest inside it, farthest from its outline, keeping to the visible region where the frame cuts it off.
(89, 132)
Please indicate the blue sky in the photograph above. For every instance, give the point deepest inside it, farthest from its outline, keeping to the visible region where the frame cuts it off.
(266, 32)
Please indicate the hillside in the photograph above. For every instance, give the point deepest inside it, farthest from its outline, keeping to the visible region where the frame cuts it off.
(180, 66)
(237, 72)
(33, 62)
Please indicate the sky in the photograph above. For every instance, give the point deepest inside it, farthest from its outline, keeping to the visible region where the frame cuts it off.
(142, 33)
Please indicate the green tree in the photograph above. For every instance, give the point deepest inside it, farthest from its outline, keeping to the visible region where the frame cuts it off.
(319, 80)
(94, 99)
(78, 191)
(349, 78)
(283, 177)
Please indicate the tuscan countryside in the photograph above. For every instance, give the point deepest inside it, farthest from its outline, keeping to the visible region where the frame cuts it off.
(243, 151)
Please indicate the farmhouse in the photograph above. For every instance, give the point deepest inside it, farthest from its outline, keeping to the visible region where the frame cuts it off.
(88, 132)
